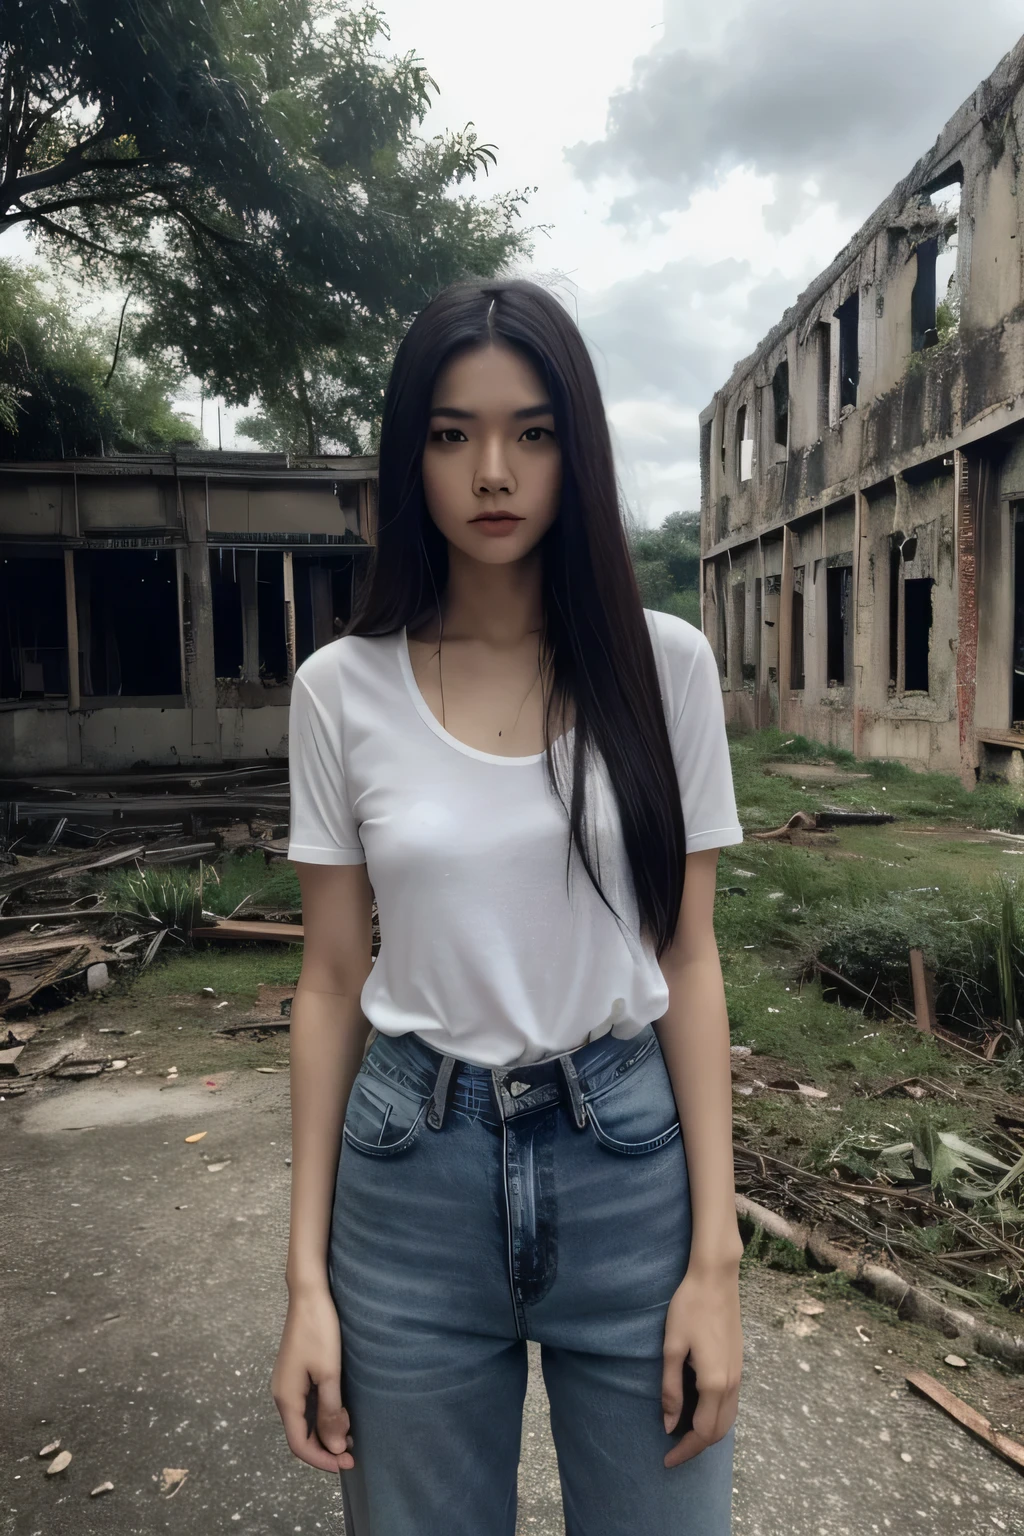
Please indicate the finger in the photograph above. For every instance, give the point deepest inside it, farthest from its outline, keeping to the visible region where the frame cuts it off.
(715, 1415)
(305, 1445)
(332, 1420)
(689, 1446)
(672, 1386)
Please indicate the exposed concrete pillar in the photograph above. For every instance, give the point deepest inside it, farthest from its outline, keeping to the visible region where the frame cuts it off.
(288, 569)
(195, 621)
(74, 689)
(245, 565)
(965, 547)
(785, 626)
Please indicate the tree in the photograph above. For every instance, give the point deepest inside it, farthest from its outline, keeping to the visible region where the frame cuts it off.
(249, 170)
(667, 564)
(58, 397)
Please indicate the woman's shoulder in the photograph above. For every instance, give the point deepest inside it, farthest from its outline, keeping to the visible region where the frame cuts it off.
(350, 656)
(677, 640)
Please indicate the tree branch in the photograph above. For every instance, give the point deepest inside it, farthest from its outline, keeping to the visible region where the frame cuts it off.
(117, 347)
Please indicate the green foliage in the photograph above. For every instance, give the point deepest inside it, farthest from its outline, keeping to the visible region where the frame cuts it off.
(169, 896)
(250, 171)
(175, 896)
(667, 565)
(58, 397)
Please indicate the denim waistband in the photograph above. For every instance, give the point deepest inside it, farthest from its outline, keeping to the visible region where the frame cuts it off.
(493, 1094)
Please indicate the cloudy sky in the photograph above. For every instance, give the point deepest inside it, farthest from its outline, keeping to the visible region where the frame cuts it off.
(696, 162)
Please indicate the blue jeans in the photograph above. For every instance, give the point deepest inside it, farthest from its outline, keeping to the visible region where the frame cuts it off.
(475, 1210)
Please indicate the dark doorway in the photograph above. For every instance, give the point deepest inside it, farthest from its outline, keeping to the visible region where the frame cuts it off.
(780, 402)
(922, 300)
(824, 333)
(1018, 614)
(226, 594)
(128, 622)
(848, 315)
(33, 627)
(796, 630)
(325, 587)
(270, 611)
(895, 562)
(917, 628)
(838, 594)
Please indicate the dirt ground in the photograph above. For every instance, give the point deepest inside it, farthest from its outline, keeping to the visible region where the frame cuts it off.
(144, 1298)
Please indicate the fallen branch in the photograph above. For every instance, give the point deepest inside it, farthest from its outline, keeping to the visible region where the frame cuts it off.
(908, 1300)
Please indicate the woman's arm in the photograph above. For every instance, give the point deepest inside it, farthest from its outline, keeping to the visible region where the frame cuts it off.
(328, 1037)
(704, 1318)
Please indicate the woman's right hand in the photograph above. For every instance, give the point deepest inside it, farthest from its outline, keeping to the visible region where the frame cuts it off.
(306, 1383)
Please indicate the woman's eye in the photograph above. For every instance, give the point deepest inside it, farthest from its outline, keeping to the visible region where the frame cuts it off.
(448, 435)
(536, 434)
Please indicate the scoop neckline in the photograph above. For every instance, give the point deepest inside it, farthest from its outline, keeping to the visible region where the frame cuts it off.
(427, 715)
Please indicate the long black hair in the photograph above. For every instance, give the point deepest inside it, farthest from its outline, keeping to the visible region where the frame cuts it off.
(595, 633)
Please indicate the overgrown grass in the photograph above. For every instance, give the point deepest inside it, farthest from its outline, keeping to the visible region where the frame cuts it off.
(236, 882)
(767, 801)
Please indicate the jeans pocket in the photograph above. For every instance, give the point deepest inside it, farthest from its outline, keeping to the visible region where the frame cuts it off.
(637, 1112)
(383, 1117)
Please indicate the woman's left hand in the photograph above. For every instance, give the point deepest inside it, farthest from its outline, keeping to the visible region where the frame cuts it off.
(703, 1323)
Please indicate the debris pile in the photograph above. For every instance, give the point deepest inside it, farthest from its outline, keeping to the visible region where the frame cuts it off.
(59, 935)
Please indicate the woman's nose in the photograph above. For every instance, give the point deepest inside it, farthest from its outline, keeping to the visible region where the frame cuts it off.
(493, 471)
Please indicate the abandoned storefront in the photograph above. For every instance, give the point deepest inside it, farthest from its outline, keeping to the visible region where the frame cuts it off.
(153, 609)
(862, 516)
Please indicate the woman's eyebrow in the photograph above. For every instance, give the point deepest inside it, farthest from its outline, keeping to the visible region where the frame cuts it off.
(543, 409)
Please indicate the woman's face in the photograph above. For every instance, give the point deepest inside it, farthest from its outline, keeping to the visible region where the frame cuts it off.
(492, 467)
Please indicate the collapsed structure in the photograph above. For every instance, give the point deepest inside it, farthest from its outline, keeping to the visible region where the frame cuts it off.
(154, 608)
(862, 475)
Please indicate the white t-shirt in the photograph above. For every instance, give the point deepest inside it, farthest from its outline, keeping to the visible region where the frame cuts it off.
(485, 951)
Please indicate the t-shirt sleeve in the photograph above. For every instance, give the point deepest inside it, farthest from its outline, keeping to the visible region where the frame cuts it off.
(701, 751)
(323, 829)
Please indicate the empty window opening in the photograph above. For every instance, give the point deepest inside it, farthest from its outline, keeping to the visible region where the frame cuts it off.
(33, 627)
(917, 626)
(838, 593)
(780, 401)
(128, 626)
(744, 446)
(824, 335)
(273, 645)
(848, 315)
(946, 202)
(796, 631)
(922, 300)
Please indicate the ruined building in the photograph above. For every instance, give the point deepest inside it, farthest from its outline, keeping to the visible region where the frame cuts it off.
(153, 608)
(862, 518)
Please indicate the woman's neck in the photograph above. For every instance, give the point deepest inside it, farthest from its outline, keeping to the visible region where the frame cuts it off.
(500, 604)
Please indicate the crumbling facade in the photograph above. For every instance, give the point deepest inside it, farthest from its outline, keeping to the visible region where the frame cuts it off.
(862, 512)
(154, 608)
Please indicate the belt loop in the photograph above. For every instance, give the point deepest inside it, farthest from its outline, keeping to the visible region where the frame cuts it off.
(572, 1082)
(439, 1101)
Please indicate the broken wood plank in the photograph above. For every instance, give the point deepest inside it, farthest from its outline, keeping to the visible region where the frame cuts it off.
(18, 987)
(969, 1417)
(79, 862)
(924, 993)
(238, 930)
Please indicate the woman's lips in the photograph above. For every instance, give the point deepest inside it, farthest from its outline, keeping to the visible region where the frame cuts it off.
(497, 524)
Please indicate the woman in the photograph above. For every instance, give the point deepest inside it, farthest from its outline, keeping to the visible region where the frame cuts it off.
(531, 772)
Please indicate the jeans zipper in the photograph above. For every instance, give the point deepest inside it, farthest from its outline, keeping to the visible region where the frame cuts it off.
(508, 1224)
